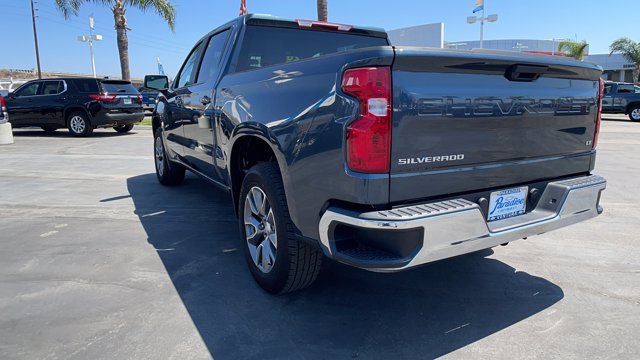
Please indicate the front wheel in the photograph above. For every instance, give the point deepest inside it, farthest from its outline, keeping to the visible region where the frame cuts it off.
(168, 173)
(278, 261)
(634, 114)
(123, 128)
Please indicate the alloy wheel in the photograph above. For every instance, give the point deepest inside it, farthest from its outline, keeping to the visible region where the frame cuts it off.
(159, 156)
(260, 229)
(77, 124)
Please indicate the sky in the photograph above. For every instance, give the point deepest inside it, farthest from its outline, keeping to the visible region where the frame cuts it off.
(596, 21)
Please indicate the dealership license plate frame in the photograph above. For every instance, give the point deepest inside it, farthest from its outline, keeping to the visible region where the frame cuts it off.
(516, 195)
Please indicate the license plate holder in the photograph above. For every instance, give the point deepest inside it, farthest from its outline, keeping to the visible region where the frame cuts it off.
(507, 203)
(127, 101)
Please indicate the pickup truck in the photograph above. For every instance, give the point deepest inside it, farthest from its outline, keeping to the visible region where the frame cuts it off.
(332, 143)
(622, 98)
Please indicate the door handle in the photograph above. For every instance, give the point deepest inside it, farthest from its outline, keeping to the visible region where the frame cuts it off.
(205, 100)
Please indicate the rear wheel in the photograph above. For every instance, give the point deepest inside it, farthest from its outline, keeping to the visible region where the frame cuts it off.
(634, 113)
(278, 261)
(168, 173)
(123, 128)
(79, 124)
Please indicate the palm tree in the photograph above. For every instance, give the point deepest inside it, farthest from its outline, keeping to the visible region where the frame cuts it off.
(574, 49)
(119, 8)
(630, 50)
(322, 10)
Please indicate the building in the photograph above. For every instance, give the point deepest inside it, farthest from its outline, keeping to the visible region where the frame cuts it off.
(616, 67)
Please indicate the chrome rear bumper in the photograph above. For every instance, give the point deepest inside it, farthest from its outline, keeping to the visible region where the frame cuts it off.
(454, 227)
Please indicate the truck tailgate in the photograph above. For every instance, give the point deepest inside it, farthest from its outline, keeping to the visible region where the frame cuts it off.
(469, 121)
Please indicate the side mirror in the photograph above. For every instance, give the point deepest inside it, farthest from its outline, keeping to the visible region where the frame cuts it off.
(156, 82)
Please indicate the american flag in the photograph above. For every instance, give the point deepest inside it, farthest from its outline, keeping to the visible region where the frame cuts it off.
(243, 7)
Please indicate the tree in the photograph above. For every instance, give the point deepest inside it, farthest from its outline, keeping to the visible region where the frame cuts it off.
(630, 50)
(574, 49)
(119, 9)
(322, 10)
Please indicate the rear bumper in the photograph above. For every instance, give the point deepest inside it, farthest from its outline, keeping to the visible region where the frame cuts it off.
(402, 238)
(113, 119)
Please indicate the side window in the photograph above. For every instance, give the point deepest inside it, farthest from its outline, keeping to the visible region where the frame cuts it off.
(29, 90)
(86, 85)
(184, 77)
(51, 88)
(212, 56)
(625, 89)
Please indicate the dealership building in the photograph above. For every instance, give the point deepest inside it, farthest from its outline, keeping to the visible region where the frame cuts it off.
(616, 67)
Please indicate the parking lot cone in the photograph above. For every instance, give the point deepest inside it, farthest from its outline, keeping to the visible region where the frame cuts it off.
(6, 134)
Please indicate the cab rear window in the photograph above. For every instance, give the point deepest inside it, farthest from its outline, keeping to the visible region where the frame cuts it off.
(266, 46)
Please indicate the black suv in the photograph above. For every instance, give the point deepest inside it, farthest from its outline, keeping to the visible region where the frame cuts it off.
(79, 104)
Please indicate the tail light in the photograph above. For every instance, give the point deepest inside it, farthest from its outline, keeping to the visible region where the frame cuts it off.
(599, 117)
(103, 97)
(139, 98)
(369, 136)
(3, 102)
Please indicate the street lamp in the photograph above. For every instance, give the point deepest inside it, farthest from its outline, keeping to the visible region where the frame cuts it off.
(482, 19)
(90, 39)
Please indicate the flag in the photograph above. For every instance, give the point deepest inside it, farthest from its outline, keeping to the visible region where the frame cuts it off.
(479, 6)
(160, 68)
(243, 7)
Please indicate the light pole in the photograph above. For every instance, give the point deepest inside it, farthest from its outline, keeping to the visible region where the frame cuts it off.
(90, 39)
(35, 38)
(482, 19)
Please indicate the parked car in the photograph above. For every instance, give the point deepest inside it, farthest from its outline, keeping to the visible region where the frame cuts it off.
(330, 141)
(4, 117)
(622, 98)
(79, 104)
(149, 90)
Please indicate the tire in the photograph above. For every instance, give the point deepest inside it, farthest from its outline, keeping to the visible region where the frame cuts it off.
(634, 113)
(79, 124)
(293, 265)
(48, 129)
(123, 128)
(169, 173)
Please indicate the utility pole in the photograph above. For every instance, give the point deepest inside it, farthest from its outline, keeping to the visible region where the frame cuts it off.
(35, 38)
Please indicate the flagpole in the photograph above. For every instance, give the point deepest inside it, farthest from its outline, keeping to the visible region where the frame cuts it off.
(482, 27)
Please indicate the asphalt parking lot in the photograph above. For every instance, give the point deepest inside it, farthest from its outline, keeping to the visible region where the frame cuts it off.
(98, 261)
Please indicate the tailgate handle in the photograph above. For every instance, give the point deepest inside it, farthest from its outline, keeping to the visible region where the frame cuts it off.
(525, 72)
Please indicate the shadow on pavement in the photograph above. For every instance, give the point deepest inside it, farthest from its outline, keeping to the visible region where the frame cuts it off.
(347, 313)
(64, 133)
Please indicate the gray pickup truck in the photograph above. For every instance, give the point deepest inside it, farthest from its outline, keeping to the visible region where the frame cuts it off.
(332, 142)
(622, 98)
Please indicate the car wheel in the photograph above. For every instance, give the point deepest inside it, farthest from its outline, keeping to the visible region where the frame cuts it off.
(634, 113)
(79, 124)
(49, 129)
(169, 173)
(278, 261)
(123, 128)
